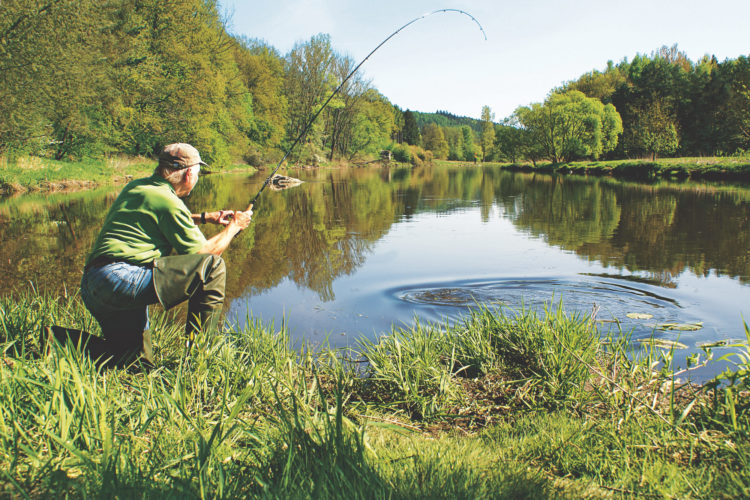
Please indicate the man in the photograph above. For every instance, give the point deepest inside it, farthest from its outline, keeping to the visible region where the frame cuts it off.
(130, 266)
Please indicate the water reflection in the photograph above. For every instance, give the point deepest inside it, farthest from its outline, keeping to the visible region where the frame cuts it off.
(375, 246)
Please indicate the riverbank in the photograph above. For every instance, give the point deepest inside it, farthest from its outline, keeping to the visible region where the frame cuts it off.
(33, 174)
(708, 168)
(502, 405)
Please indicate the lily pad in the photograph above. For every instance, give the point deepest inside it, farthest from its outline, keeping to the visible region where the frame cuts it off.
(683, 327)
(721, 343)
(639, 315)
(664, 344)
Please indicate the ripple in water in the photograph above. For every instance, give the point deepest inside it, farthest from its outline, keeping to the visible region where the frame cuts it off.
(581, 294)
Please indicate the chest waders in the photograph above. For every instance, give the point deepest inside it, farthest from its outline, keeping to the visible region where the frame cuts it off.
(198, 278)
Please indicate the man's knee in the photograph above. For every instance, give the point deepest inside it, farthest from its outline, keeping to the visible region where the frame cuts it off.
(217, 265)
(181, 277)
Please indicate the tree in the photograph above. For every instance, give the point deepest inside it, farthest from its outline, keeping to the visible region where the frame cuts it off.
(509, 140)
(434, 140)
(653, 132)
(469, 145)
(308, 81)
(261, 70)
(342, 111)
(599, 85)
(738, 103)
(487, 135)
(48, 75)
(373, 125)
(455, 140)
(570, 125)
(410, 131)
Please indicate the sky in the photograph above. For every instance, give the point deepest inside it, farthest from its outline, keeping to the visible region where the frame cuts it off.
(443, 62)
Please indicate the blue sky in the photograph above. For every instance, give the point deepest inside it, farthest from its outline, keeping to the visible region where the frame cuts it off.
(443, 61)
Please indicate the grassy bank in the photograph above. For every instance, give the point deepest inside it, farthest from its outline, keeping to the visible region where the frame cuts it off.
(26, 174)
(709, 168)
(516, 406)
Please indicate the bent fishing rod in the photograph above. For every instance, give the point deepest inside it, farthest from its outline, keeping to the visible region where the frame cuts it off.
(341, 85)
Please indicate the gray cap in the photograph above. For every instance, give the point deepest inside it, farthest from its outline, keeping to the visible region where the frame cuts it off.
(179, 155)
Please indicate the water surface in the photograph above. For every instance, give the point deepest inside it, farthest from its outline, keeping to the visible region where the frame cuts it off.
(352, 252)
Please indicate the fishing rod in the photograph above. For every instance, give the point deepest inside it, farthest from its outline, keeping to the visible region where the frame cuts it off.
(341, 85)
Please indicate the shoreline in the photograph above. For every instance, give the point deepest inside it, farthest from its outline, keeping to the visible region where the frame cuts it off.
(707, 169)
(38, 175)
(30, 175)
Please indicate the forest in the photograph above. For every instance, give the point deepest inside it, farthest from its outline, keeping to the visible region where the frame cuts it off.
(88, 79)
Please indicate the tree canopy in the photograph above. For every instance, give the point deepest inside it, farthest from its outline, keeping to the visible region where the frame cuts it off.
(570, 125)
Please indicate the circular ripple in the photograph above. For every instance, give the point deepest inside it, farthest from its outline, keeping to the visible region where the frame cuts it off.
(451, 296)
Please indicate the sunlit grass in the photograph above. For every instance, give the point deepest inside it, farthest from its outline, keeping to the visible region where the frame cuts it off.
(31, 173)
(501, 405)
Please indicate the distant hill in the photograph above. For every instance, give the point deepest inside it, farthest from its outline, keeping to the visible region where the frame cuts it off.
(446, 119)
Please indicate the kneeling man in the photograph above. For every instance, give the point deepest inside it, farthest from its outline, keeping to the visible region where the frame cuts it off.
(130, 265)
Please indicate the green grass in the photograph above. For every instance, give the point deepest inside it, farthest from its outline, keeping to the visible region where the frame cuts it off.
(502, 405)
(34, 173)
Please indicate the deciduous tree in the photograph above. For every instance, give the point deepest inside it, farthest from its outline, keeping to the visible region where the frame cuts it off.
(434, 140)
(570, 125)
(487, 134)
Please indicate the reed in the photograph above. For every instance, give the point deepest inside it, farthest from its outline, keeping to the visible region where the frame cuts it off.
(501, 404)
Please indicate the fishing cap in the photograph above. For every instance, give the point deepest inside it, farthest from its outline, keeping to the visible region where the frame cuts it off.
(179, 155)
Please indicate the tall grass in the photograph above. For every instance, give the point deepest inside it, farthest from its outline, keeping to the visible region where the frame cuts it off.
(524, 405)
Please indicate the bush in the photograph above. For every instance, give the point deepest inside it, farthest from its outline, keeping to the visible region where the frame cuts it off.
(253, 158)
(401, 153)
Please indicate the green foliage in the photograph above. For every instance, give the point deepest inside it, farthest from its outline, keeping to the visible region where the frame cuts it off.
(433, 140)
(509, 141)
(487, 133)
(469, 144)
(262, 71)
(401, 153)
(446, 119)
(570, 125)
(89, 79)
(411, 129)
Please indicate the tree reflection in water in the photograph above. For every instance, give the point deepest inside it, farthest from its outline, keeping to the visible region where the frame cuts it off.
(325, 228)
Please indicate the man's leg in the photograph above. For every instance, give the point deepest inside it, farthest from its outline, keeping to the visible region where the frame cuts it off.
(198, 278)
(118, 295)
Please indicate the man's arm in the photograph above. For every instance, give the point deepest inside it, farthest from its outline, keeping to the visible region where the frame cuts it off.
(220, 217)
(218, 243)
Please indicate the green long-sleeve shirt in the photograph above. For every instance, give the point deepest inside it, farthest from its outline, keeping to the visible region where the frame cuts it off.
(147, 221)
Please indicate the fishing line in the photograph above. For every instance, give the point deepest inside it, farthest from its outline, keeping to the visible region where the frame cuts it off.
(341, 85)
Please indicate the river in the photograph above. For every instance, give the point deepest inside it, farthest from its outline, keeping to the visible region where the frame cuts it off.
(354, 252)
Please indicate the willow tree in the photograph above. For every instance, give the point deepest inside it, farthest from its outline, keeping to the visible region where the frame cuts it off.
(570, 125)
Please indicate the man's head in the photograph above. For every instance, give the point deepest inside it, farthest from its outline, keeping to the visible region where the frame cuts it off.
(180, 163)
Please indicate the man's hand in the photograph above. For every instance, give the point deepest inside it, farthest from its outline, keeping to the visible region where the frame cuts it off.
(240, 219)
(221, 217)
(236, 222)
